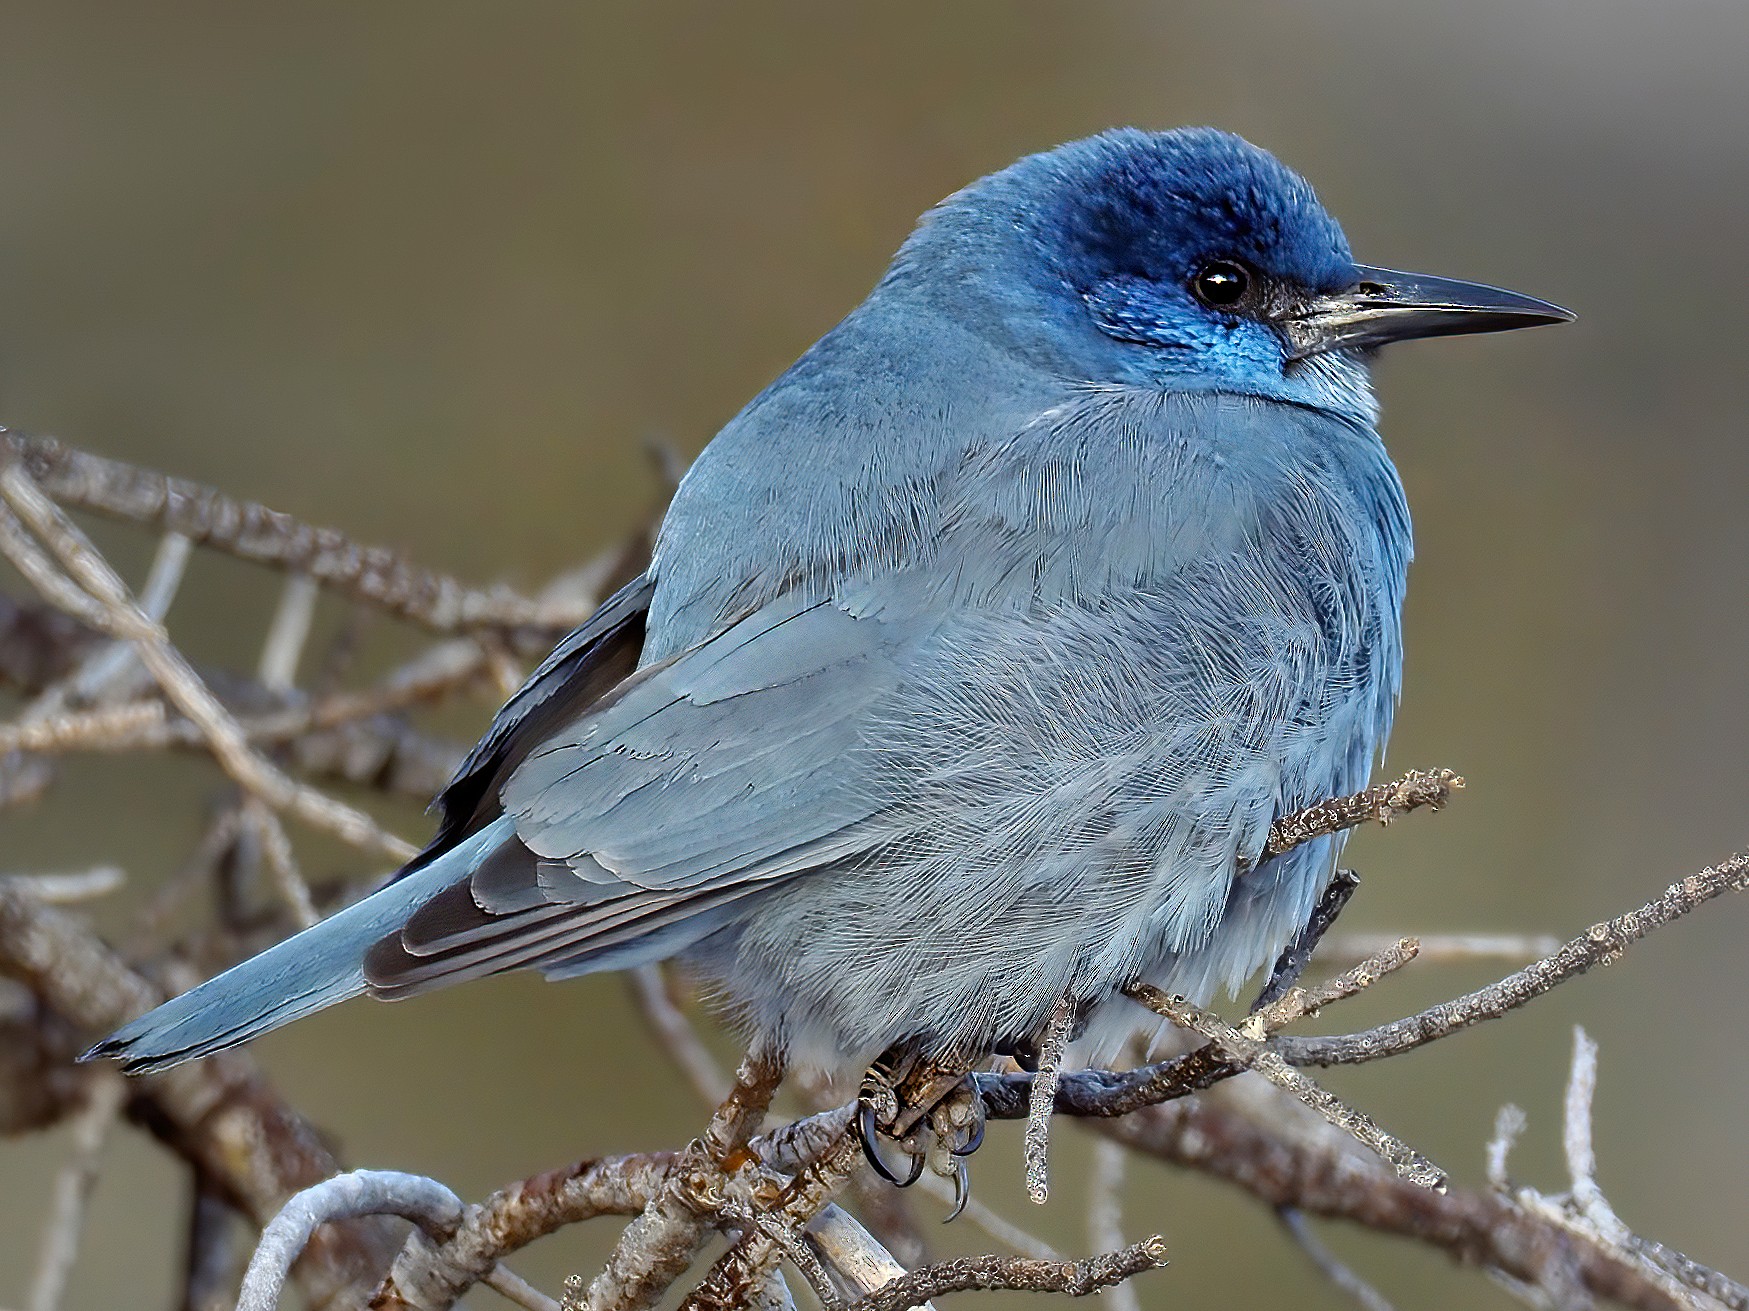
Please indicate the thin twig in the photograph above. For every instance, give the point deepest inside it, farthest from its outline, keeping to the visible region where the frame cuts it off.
(650, 989)
(992, 1222)
(1076, 1279)
(1105, 1215)
(1379, 804)
(1509, 1122)
(66, 1218)
(281, 861)
(1299, 1002)
(286, 635)
(658, 1246)
(163, 581)
(1044, 1093)
(1255, 1055)
(1444, 948)
(1601, 944)
(251, 531)
(68, 889)
(1329, 1264)
(1587, 1197)
(178, 679)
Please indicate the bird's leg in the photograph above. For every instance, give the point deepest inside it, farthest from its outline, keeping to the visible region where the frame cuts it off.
(1292, 962)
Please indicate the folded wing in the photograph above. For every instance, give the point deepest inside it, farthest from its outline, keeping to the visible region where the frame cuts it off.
(693, 784)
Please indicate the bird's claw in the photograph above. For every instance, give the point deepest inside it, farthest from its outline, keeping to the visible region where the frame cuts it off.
(936, 1116)
(962, 1191)
(868, 1130)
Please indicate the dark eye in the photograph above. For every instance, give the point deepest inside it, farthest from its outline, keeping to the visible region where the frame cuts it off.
(1221, 284)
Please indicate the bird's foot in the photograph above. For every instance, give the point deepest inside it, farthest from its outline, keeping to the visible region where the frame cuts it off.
(931, 1109)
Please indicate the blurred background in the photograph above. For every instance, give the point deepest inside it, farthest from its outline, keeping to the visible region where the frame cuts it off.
(436, 273)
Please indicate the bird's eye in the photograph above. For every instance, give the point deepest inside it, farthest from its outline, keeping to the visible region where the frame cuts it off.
(1221, 284)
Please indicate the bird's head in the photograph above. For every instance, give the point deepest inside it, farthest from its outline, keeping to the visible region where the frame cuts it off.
(1186, 259)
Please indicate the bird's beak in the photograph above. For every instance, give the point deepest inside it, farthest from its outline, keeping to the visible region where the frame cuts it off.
(1384, 306)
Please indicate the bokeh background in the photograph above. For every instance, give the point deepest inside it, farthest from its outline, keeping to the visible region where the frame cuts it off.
(436, 272)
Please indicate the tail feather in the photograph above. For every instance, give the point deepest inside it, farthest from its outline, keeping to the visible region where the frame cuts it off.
(306, 973)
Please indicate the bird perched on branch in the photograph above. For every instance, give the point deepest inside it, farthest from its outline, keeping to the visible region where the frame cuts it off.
(976, 656)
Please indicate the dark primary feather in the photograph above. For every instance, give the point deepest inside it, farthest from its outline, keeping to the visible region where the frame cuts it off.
(596, 656)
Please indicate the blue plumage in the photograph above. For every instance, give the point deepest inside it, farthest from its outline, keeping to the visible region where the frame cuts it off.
(977, 654)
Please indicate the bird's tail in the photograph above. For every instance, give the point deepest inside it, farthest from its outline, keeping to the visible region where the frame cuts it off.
(306, 973)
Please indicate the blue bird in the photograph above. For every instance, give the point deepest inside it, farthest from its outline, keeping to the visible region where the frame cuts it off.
(976, 655)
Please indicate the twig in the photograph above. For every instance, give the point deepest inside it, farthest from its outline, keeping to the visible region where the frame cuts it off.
(1294, 959)
(251, 531)
(1299, 1002)
(1255, 1055)
(281, 861)
(178, 679)
(427, 1276)
(66, 1219)
(514, 1288)
(1329, 1265)
(162, 583)
(1601, 944)
(40, 571)
(216, 1114)
(993, 1223)
(650, 989)
(1076, 1279)
(286, 635)
(1509, 1122)
(1044, 1093)
(68, 889)
(207, 1274)
(1379, 804)
(751, 1259)
(1576, 1140)
(84, 730)
(1444, 948)
(1318, 1175)
(425, 1202)
(1105, 1214)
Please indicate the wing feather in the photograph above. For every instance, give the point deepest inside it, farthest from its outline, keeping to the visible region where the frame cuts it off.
(640, 822)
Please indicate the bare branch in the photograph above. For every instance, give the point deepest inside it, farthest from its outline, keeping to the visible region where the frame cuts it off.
(1300, 1230)
(251, 531)
(1379, 804)
(178, 679)
(1443, 948)
(1076, 1279)
(659, 1245)
(66, 1217)
(1323, 1175)
(1255, 1055)
(1105, 1215)
(425, 1202)
(1601, 944)
(290, 629)
(1509, 1122)
(1299, 1002)
(650, 989)
(1044, 1095)
(217, 1114)
(858, 1263)
(68, 889)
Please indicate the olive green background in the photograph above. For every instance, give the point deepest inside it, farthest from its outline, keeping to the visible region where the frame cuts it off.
(435, 273)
